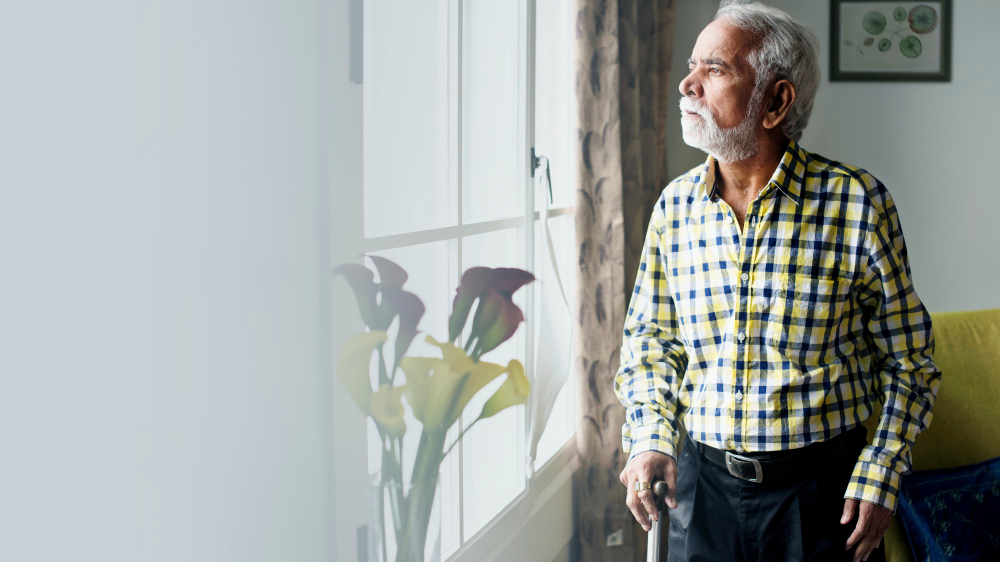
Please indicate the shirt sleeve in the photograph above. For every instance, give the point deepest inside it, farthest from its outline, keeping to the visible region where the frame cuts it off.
(653, 358)
(906, 377)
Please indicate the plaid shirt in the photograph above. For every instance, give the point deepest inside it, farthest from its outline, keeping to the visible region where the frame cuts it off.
(790, 332)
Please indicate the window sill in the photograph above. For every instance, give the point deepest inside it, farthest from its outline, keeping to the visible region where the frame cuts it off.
(548, 493)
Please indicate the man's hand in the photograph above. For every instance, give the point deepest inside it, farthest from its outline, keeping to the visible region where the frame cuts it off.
(873, 520)
(648, 467)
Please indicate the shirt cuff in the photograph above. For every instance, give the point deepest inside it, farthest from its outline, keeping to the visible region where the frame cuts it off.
(874, 483)
(652, 437)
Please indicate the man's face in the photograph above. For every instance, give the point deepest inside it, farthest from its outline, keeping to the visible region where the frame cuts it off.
(720, 109)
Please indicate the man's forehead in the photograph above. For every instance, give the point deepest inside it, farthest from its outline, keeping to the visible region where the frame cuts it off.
(723, 42)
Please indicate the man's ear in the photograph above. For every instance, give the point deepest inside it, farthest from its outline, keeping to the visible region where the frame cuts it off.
(782, 97)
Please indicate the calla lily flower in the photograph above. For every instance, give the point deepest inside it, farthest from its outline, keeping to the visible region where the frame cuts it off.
(362, 282)
(497, 317)
(385, 405)
(387, 409)
(353, 366)
(513, 391)
(390, 274)
(439, 389)
(379, 314)
(497, 323)
(475, 282)
(410, 309)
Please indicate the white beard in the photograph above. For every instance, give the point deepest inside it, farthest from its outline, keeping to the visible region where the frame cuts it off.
(726, 145)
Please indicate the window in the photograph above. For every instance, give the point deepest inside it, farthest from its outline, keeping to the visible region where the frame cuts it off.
(456, 93)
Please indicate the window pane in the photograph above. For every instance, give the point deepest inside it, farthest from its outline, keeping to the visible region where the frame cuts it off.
(555, 98)
(560, 428)
(407, 109)
(493, 450)
(492, 186)
(561, 424)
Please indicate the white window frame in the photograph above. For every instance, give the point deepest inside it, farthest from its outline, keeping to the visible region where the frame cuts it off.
(550, 487)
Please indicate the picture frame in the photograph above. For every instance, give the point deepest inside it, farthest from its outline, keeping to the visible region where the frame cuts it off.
(903, 41)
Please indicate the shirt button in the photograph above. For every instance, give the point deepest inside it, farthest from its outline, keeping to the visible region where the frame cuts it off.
(739, 449)
(741, 336)
(739, 395)
(744, 277)
(729, 219)
(753, 220)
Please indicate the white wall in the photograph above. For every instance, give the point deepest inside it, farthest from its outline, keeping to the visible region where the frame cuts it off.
(932, 144)
(164, 293)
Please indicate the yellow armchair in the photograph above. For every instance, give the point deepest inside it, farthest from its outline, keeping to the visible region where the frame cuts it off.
(966, 415)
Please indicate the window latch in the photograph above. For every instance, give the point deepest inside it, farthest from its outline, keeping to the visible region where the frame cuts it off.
(537, 161)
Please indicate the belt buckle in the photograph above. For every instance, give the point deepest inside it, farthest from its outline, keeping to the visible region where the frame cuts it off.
(731, 465)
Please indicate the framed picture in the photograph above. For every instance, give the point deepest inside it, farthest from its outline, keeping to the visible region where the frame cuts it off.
(890, 41)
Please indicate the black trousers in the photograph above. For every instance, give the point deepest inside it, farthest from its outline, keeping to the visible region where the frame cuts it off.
(722, 518)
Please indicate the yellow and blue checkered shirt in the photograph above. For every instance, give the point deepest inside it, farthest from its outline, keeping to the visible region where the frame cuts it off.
(786, 333)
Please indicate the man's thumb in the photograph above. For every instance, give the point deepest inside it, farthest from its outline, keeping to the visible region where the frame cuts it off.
(849, 505)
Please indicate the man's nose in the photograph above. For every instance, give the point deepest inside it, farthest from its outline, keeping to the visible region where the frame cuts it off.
(689, 86)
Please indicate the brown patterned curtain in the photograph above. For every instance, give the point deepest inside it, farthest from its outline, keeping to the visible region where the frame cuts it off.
(622, 80)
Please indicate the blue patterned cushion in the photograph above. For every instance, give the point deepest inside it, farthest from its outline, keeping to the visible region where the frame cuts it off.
(953, 514)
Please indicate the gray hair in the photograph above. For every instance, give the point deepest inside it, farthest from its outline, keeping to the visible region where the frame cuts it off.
(789, 51)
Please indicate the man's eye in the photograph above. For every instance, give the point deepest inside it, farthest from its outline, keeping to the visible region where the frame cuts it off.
(715, 70)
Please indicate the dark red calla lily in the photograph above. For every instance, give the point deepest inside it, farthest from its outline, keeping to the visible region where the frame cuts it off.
(410, 309)
(390, 274)
(503, 318)
(379, 314)
(361, 281)
(475, 282)
(497, 317)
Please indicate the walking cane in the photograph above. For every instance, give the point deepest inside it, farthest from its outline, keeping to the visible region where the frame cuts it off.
(655, 537)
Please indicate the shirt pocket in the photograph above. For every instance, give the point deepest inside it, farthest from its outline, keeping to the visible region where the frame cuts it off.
(802, 316)
(704, 314)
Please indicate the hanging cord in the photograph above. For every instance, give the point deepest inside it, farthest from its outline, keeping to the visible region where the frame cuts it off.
(538, 162)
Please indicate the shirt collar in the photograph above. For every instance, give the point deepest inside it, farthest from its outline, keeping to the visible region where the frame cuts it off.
(791, 172)
(788, 177)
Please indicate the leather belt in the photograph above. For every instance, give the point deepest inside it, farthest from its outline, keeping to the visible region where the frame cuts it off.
(783, 463)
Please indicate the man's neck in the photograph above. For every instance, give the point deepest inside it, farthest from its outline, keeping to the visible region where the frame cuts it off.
(744, 180)
(741, 182)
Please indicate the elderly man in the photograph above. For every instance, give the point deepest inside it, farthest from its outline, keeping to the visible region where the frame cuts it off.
(773, 313)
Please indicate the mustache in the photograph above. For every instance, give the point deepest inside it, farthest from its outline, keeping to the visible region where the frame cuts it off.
(687, 104)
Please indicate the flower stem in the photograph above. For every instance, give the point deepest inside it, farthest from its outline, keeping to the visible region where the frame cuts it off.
(420, 500)
(382, 377)
(459, 438)
(381, 519)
